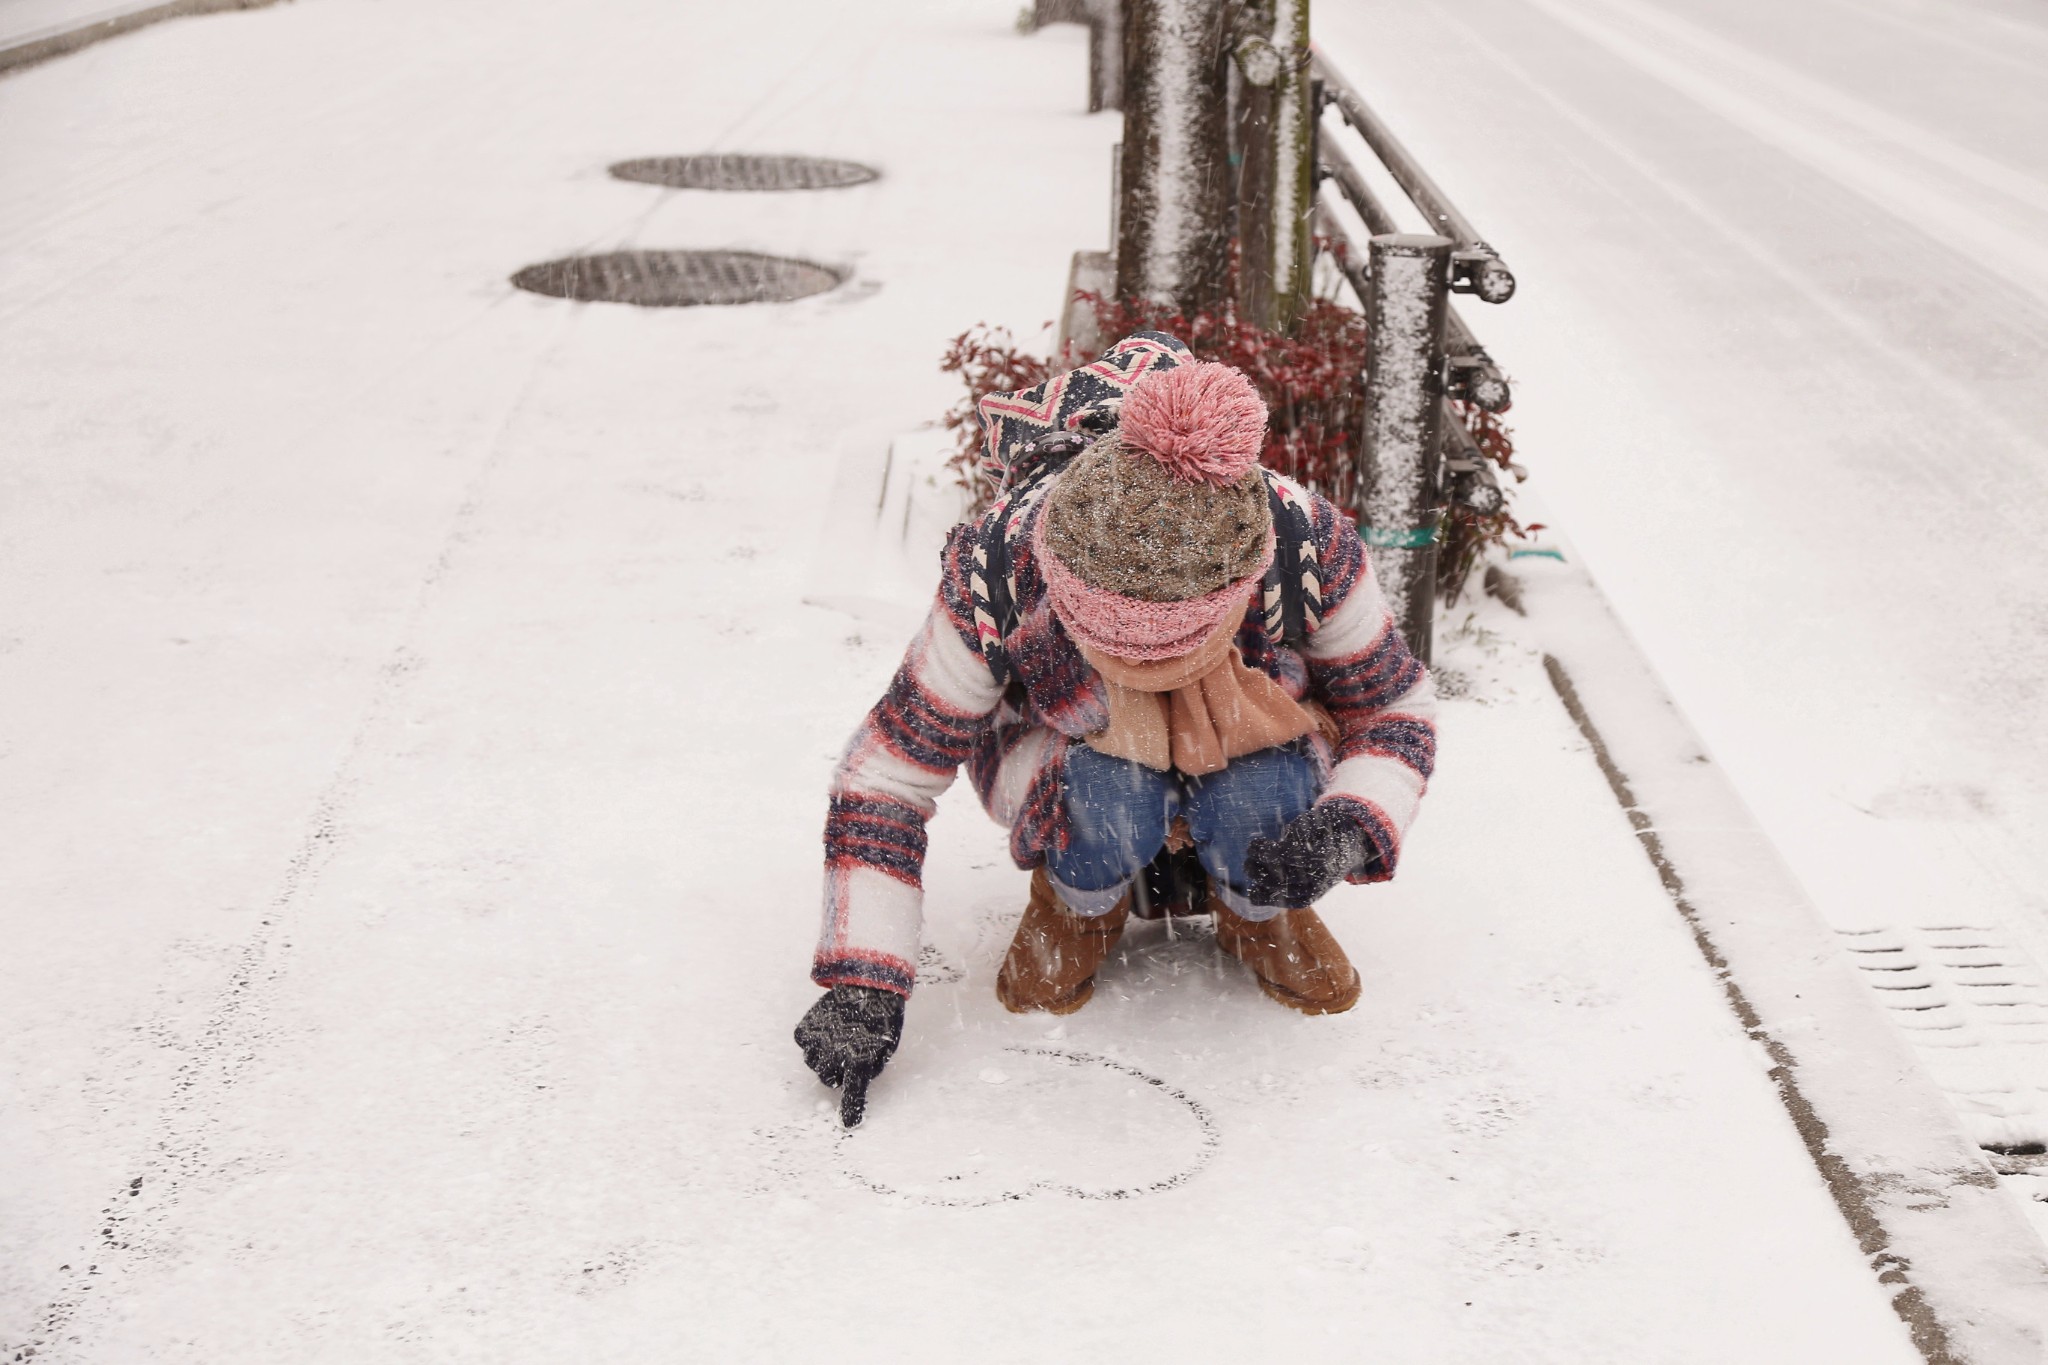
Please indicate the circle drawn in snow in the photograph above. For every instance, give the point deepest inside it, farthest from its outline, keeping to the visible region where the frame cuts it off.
(744, 172)
(1060, 1122)
(678, 279)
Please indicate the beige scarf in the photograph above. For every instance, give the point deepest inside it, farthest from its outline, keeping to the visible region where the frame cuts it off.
(1195, 712)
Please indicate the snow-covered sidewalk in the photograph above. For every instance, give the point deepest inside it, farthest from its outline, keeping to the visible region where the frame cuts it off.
(426, 709)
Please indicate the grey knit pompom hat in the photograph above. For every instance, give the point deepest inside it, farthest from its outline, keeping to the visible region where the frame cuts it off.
(1172, 507)
(1122, 522)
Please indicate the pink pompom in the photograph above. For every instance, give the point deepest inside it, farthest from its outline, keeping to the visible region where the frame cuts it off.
(1203, 420)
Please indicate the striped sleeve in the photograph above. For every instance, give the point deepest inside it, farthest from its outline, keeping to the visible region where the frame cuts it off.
(1379, 694)
(903, 756)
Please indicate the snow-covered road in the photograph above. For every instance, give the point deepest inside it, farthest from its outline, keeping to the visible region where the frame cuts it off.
(1782, 352)
(422, 711)
(25, 21)
(1782, 361)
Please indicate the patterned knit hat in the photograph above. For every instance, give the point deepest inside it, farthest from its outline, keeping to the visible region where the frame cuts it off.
(1150, 538)
(1015, 426)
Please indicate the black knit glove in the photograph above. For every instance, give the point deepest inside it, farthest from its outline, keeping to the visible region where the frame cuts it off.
(847, 1038)
(1319, 848)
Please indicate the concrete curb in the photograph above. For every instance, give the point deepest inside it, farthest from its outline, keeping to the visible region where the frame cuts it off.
(49, 46)
(1962, 1268)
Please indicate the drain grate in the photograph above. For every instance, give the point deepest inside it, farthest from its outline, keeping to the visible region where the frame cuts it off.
(678, 279)
(1976, 1009)
(738, 171)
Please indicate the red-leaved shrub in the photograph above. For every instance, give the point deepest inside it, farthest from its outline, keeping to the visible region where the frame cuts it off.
(1314, 386)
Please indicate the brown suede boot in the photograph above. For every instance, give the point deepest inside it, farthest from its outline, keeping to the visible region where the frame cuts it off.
(1295, 957)
(1052, 960)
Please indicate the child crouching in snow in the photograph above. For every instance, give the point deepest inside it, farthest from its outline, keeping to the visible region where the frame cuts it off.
(1156, 640)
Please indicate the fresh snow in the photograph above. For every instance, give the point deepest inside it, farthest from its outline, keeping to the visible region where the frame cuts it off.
(25, 21)
(425, 695)
(1778, 355)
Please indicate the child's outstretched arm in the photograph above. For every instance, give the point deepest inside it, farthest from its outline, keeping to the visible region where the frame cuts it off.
(903, 756)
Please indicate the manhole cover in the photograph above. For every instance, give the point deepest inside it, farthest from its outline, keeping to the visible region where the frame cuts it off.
(677, 279)
(737, 171)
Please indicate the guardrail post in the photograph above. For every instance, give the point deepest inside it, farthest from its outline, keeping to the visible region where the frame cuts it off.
(1400, 510)
(1173, 232)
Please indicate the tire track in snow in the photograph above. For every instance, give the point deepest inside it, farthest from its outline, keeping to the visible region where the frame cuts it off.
(2001, 28)
(1947, 32)
(1818, 96)
(116, 174)
(1967, 406)
(827, 46)
(120, 179)
(237, 1031)
(1991, 247)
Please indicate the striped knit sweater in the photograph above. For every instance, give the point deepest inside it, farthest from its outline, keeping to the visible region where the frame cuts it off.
(944, 709)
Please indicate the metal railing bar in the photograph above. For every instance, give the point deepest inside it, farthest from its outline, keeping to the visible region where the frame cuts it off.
(1400, 163)
(1351, 261)
(1471, 375)
(1477, 267)
(1469, 480)
(1337, 167)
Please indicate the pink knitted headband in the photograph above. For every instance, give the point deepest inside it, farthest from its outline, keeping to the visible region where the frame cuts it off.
(1130, 627)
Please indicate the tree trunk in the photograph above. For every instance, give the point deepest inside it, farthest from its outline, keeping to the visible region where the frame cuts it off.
(1276, 182)
(1173, 234)
(1294, 183)
(1253, 87)
(1105, 55)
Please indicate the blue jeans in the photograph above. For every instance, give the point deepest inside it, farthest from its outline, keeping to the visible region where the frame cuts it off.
(1118, 813)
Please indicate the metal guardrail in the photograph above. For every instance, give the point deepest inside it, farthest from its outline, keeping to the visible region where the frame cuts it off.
(1417, 457)
(1471, 374)
(1476, 268)
(1267, 119)
(1333, 165)
(1469, 480)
